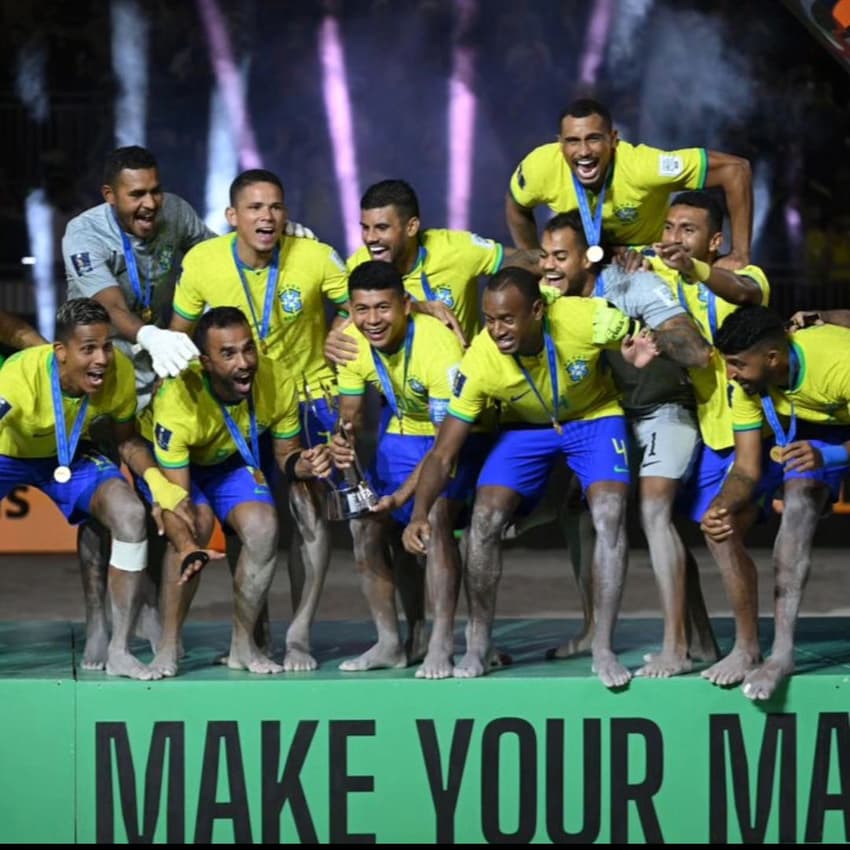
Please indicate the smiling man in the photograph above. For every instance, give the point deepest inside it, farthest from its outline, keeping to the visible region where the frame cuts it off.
(206, 427)
(620, 187)
(49, 396)
(282, 284)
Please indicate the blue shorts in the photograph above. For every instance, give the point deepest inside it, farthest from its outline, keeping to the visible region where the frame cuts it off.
(397, 456)
(222, 486)
(704, 483)
(521, 459)
(818, 435)
(318, 422)
(88, 471)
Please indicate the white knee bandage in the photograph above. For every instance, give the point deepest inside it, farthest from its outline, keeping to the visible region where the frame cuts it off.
(132, 557)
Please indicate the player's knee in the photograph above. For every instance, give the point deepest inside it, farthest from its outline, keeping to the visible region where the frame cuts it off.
(366, 535)
(655, 513)
(488, 522)
(258, 533)
(127, 519)
(609, 513)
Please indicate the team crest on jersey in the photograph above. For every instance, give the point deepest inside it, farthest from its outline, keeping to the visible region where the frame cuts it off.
(444, 294)
(163, 437)
(626, 214)
(417, 387)
(5, 407)
(82, 263)
(162, 261)
(291, 301)
(578, 370)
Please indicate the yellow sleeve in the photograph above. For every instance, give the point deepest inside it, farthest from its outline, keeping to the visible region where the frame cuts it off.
(188, 301)
(123, 405)
(12, 386)
(529, 180)
(480, 255)
(170, 443)
(334, 278)
(361, 255)
(755, 274)
(443, 365)
(685, 168)
(351, 374)
(287, 422)
(470, 391)
(610, 325)
(747, 413)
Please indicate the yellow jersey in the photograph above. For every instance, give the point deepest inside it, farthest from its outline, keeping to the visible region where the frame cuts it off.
(421, 384)
(186, 425)
(308, 270)
(448, 266)
(710, 382)
(638, 192)
(585, 391)
(821, 391)
(27, 420)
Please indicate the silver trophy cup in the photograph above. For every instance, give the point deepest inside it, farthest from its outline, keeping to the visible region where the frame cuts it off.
(354, 497)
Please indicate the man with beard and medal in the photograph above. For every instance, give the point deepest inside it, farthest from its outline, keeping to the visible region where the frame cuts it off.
(207, 427)
(795, 387)
(619, 187)
(49, 396)
(282, 284)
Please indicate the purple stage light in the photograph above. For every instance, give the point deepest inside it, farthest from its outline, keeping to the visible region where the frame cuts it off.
(341, 128)
(228, 78)
(596, 40)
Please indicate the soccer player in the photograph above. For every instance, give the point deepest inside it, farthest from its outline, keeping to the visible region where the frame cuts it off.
(659, 405)
(281, 283)
(798, 385)
(207, 425)
(686, 258)
(542, 363)
(411, 359)
(49, 396)
(621, 188)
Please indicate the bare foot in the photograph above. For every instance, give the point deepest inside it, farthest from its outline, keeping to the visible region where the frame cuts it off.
(124, 664)
(733, 668)
(471, 666)
(580, 643)
(148, 626)
(165, 662)
(298, 659)
(762, 682)
(703, 646)
(252, 662)
(610, 671)
(437, 665)
(663, 665)
(94, 655)
(377, 658)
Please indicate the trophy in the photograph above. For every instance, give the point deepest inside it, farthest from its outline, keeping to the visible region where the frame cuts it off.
(348, 495)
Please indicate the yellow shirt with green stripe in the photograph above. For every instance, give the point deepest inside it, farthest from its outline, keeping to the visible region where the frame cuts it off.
(27, 420)
(581, 329)
(821, 392)
(186, 425)
(423, 394)
(308, 272)
(451, 261)
(710, 382)
(638, 193)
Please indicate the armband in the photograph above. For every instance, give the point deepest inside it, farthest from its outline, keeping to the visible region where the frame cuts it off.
(834, 456)
(165, 493)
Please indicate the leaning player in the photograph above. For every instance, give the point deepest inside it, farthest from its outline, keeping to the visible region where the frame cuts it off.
(207, 426)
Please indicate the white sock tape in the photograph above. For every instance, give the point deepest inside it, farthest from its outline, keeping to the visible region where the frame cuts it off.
(132, 557)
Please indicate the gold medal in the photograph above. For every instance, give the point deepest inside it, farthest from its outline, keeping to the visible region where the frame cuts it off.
(147, 315)
(259, 478)
(594, 254)
(777, 453)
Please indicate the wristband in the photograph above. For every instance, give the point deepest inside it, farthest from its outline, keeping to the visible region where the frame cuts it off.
(834, 456)
(165, 493)
(701, 272)
(289, 466)
(197, 555)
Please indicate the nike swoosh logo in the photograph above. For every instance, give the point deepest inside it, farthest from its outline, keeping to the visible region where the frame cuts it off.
(518, 397)
(651, 463)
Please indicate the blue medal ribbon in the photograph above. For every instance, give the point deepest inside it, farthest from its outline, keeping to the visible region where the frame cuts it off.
(384, 377)
(592, 223)
(553, 377)
(599, 289)
(65, 447)
(143, 298)
(251, 458)
(783, 439)
(423, 278)
(261, 328)
(712, 307)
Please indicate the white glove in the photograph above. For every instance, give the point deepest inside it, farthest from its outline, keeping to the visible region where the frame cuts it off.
(170, 351)
(294, 228)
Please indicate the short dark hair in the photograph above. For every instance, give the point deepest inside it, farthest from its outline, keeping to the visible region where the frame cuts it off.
(527, 283)
(249, 178)
(217, 317)
(572, 219)
(79, 312)
(131, 158)
(395, 193)
(374, 275)
(703, 201)
(583, 107)
(749, 327)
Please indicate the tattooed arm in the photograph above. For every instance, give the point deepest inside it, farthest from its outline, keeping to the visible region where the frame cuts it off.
(680, 340)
